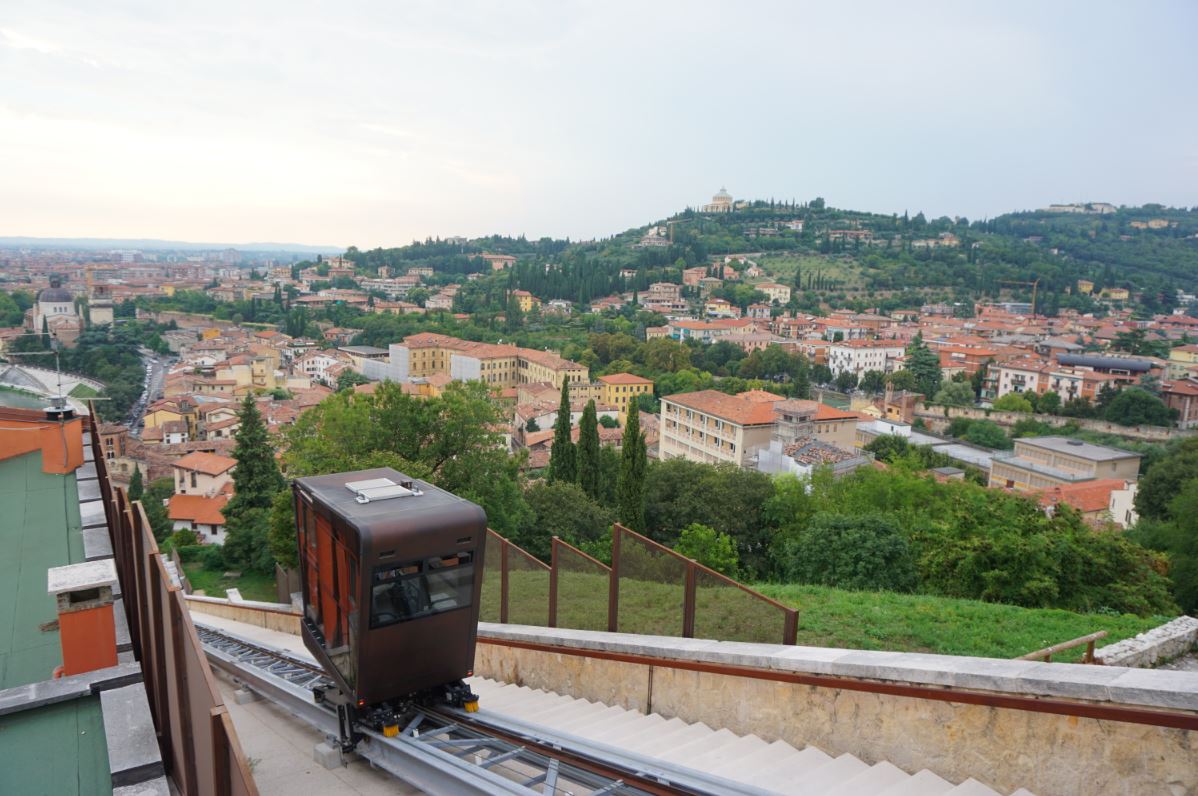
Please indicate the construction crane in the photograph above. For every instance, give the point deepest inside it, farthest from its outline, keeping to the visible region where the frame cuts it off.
(1034, 285)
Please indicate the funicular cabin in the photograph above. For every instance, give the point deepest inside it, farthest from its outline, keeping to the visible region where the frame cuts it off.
(392, 571)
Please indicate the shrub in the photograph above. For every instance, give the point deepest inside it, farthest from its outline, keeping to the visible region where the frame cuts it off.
(867, 552)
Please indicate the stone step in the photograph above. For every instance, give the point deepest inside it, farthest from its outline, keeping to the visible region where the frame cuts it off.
(695, 751)
(782, 775)
(971, 787)
(673, 739)
(760, 759)
(832, 774)
(876, 778)
(921, 783)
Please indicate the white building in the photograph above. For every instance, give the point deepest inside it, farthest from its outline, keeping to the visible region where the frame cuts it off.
(858, 356)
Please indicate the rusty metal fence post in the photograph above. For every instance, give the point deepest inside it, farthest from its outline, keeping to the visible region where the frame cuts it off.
(613, 589)
(503, 581)
(553, 567)
(688, 602)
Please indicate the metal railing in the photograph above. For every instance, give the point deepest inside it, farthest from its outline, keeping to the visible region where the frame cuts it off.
(648, 589)
(200, 750)
(1047, 653)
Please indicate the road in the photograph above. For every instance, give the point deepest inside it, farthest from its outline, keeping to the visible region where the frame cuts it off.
(152, 386)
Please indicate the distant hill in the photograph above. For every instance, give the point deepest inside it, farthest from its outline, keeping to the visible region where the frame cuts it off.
(151, 244)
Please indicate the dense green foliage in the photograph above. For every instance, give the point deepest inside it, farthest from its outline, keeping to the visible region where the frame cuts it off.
(630, 485)
(1167, 502)
(709, 547)
(868, 551)
(256, 483)
(587, 452)
(563, 455)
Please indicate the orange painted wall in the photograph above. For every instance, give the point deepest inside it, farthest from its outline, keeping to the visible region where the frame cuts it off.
(88, 640)
(25, 431)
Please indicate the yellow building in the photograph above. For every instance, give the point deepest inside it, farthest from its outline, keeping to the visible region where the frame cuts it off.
(526, 300)
(166, 411)
(1116, 293)
(1085, 286)
(1182, 361)
(499, 366)
(621, 388)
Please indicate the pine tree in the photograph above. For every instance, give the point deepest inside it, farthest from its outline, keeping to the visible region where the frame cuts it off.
(256, 481)
(924, 365)
(803, 380)
(630, 488)
(562, 464)
(588, 451)
(136, 487)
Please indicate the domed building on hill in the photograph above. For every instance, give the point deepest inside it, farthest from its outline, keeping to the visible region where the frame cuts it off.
(720, 203)
(54, 312)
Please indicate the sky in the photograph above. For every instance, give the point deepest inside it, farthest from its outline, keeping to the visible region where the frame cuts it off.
(376, 123)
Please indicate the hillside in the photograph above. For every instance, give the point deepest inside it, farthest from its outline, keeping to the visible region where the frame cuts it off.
(853, 258)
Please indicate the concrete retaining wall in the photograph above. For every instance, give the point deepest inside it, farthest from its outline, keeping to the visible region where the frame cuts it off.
(937, 419)
(268, 615)
(1006, 747)
(1158, 645)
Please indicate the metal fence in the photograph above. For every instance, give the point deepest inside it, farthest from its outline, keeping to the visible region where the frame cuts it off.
(648, 589)
(200, 750)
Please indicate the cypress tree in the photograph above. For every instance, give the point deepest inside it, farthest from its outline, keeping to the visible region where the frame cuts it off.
(630, 488)
(256, 481)
(136, 487)
(562, 465)
(588, 451)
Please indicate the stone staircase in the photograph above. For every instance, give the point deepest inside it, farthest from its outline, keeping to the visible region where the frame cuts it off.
(777, 767)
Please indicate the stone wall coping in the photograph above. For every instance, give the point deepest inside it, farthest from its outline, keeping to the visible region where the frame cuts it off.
(1176, 690)
(280, 608)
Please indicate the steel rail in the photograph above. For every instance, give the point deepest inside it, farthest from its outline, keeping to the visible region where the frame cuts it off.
(450, 751)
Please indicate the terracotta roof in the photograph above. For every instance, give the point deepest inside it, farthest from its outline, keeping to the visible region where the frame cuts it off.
(206, 463)
(825, 412)
(624, 378)
(727, 407)
(198, 509)
(1087, 496)
(760, 396)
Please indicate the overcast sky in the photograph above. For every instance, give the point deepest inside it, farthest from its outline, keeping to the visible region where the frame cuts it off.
(376, 123)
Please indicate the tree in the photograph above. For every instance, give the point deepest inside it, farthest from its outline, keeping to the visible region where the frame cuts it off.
(136, 488)
(846, 380)
(873, 381)
(955, 393)
(924, 366)
(348, 379)
(1136, 406)
(562, 456)
(607, 421)
(1049, 403)
(1166, 479)
(902, 381)
(867, 552)
(256, 481)
(988, 434)
(1014, 402)
(154, 502)
(563, 510)
(630, 487)
(282, 536)
(587, 451)
(709, 547)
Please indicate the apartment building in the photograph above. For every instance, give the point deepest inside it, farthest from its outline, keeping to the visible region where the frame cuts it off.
(206, 474)
(775, 291)
(499, 365)
(858, 356)
(620, 389)
(714, 427)
(1044, 462)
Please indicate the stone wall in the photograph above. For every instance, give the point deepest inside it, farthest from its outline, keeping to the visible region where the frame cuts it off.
(282, 618)
(1158, 645)
(847, 708)
(937, 418)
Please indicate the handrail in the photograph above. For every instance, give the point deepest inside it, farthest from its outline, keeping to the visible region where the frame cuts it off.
(1047, 653)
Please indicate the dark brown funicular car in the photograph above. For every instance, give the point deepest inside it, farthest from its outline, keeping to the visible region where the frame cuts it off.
(392, 572)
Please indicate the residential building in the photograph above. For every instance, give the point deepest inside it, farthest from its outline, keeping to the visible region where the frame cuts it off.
(206, 474)
(714, 427)
(499, 365)
(200, 515)
(1044, 462)
(775, 291)
(859, 356)
(525, 300)
(619, 389)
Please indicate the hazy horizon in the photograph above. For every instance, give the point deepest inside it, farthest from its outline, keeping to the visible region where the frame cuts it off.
(381, 124)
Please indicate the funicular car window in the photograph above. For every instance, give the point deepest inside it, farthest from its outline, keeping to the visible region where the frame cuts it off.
(416, 589)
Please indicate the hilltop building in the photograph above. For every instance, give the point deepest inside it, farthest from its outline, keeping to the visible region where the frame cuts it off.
(720, 203)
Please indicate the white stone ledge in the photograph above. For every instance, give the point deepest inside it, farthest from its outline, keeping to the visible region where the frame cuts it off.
(1153, 646)
(1112, 684)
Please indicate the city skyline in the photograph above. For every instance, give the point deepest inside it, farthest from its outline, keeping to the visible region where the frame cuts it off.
(378, 125)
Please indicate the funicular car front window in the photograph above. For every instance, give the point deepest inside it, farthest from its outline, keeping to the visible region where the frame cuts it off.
(416, 589)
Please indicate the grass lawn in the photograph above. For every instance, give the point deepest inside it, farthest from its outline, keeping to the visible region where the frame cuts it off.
(915, 623)
(83, 391)
(253, 585)
(827, 617)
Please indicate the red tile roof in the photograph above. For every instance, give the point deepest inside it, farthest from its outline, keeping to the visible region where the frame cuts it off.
(198, 509)
(206, 463)
(727, 407)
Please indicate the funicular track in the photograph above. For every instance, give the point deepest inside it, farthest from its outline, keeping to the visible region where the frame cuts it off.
(445, 750)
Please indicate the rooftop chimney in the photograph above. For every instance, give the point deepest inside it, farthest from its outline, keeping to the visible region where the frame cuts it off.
(86, 626)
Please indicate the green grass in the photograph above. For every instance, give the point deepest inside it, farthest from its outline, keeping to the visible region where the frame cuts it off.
(916, 623)
(827, 617)
(253, 585)
(83, 391)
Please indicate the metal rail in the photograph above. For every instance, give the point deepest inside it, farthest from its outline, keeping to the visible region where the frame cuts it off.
(449, 751)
